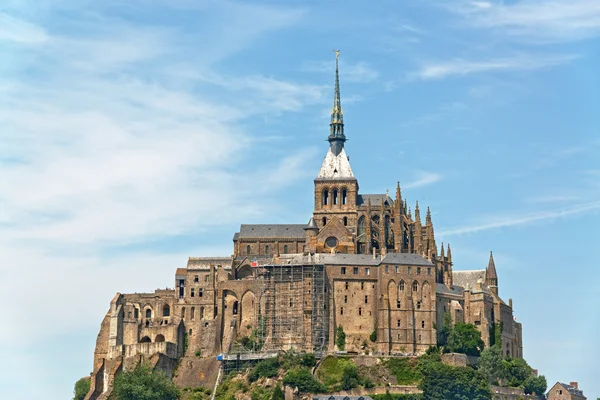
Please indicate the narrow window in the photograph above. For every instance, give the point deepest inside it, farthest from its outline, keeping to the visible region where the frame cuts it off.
(192, 292)
(285, 249)
(342, 311)
(409, 269)
(422, 324)
(355, 271)
(344, 196)
(193, 313)
(248, 250)
(136, 313)
(398, 323)
(235, 308)
(195, 278)
(398, 304)
(324, 221)
(343, 270)
(415, 286)
(346, 299)
(428, 271)
(418, 305)
(366, 299)
(396, 268)
(183, 312)
(345, 221)
(359, 310)
(387, 269)
(166, 311)
(418, 270)
(398, 336)
(129, 314)
(368, 271)
(148, 313)
(419, 338)
(362, 286)
(201, 312)
(335, 197)
(401, 286)
(346, 285)
(190, 332)
(200, 292)
(291, 303)
(267, 250)
(325, 197)
(206, 278)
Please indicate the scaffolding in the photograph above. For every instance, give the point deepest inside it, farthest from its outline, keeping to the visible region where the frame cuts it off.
(291, 313)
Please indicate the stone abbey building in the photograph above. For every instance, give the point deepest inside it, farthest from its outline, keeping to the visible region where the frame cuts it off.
(364, 262)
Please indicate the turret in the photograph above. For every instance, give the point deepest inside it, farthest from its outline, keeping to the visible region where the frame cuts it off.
(491, 277)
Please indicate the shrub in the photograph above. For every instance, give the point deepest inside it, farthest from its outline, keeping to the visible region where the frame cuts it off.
(308, 360)
(404, 369)
(303, 380)
(349, 377)
(373, 337)
(144, 384)
(340, 338)
(268, 368)
(444, 382)
(82, 387)
(198, 353)
(535, 384)
(465, 339)
(278, 393)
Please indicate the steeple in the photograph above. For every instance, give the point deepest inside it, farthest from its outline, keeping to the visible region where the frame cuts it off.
(428, 217)
(491, 277)
(336, 127)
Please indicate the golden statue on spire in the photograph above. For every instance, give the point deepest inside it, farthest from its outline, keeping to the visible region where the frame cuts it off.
(337, 54)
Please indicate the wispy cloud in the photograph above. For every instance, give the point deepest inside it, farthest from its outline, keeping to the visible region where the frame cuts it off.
(535, 21)
(20, 31)
(515, 220)
(550, 199)
(461, 67)
(423, 178)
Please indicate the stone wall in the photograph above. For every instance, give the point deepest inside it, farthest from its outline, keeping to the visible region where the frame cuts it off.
(459, 360)
(147, 349)
(506, 393)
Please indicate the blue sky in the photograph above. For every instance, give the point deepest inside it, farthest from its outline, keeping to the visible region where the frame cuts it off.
(135, 134)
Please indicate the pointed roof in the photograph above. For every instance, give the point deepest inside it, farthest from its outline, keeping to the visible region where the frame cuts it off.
(311, 224)
(490, 272)
(336, 136)
(335, 166)
(428, 217)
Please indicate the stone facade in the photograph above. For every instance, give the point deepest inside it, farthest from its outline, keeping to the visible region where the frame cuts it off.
(562, 391)
(362, 262)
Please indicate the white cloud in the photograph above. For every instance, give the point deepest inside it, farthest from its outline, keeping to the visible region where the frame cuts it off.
(423, 178)
(20, 31)
(536, 21)
(460, 67)
(515, 220)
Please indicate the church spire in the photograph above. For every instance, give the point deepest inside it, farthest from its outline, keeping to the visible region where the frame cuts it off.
(491, 276)
(336, 127)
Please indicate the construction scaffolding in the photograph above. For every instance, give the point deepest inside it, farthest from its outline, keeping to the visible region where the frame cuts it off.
(291, 313)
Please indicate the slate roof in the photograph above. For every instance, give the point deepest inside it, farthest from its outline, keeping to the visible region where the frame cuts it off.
(288, 231)
(464, 278)
(361, 259)
(571, 389)
(443, 289)
(375, 199)
(405, 258)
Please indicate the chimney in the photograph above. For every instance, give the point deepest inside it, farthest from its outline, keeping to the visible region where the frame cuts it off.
(574, 384)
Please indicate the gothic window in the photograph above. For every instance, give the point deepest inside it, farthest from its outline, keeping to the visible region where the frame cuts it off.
(375, 218)
(345, 221)
(344, 196)
(166, 311)
(285, 249)
(148, 313)
(335, 196)
(248, 250)
(267, 250)
(201, 312)
(415, 287)
(325, 197)
(401, 286)
(193, 313)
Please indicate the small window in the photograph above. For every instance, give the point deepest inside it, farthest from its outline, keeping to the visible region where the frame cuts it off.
(166, 311)
(190, 332)
(192, 292)
(344, 196)
(291, 303)
(401, 287)
(398, 322)
(355, 271)
(248, 250)
(346, 285)
(396, 268)
(267, 250)
(345, 299)
(285, 249)
(325, 197)
(418, 305)
(418, 270)
(428, 271)
(341, 310)
(335, 197)
(200, 292)
(362, 286)
(148, 313)
(129, 314)
(201, 312)
(422, 324)
(193, 313)
(195, 278)
(343, 270)
(136, 313)
(206, 278)
(359, 310)
(324, 221)
(409, 269)
(368, 271)
(387, 269)
(366, 299)
(183, 312)
(345, 221)
(398, 304)
(415, 286)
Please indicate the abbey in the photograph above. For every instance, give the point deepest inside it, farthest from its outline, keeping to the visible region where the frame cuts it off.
(364, 263)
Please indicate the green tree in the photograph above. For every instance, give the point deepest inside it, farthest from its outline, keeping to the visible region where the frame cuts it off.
(446, 329)
(268, 368)
(350, 378)
(82, 387)
(144, 384)
(303, 380)
(444, 382)
(308, 360)
(278, 393)
(465, 339)
(490, 364)
(340, 338)
(535, 384)
(516, 371)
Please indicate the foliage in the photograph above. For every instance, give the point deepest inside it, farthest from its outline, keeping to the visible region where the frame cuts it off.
(404, 369)
(292, 359)
(535, 384)
(198, 393)
(340, 338)
(308, 360)
(82, 387)
(303, 380)
(268, 368)
(490, 364)
(331, 370)
(373, 336)
(446, 329)
(465, 339)
(261, 393)
(389, 396)
(144, 384)
(185, 342)
(229, 387)
(516, 371)
(198, 353)
(278, 393)
(444, 382)
(350, 377)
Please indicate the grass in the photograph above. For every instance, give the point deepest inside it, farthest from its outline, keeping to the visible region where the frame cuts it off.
(331, 370)
(404, 369)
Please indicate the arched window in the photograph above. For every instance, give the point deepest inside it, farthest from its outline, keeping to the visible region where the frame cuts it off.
(166, 311)
(182, 312)
(201, 312)
(345, 221)
(159, 338)
(248, 250)
(415, 287)
(344, 196)
(235, 308)
(335, 197)
(325, 197)
(401, 286)
(148, 313)
(267, 249)
(145, 339)
(190, 332)
(285, 249)
(193, 313)
(324, 221)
